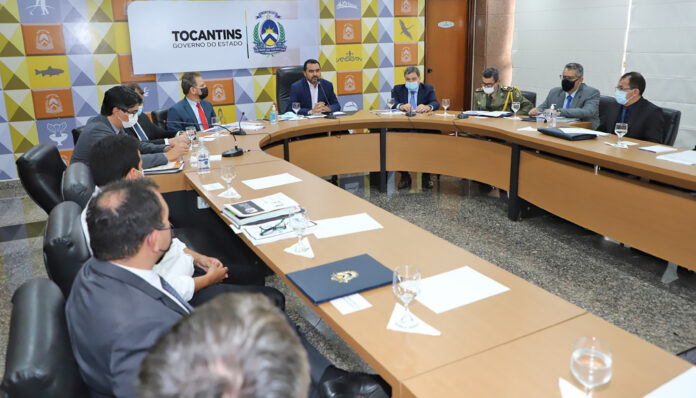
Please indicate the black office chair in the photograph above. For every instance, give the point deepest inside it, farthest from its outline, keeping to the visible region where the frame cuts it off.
(65, 248)
(76, 134)
(158, 118)
(41, 170)
(670, 120)
(605, 102)
(39, 360)
(285, 77)
(530, 95)
(78, 184)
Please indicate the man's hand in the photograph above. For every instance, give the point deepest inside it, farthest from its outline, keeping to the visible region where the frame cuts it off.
(216, 272)
(175, 152)
(405, 107)
(533, 112)
(206, 262)
(423, 108)
(180, 140)
(320, 107)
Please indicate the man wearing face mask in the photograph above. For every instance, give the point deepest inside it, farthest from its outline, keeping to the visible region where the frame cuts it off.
(414, 95)
(643, 117)
(144, 129)
(120, 109)
(491, 96)
(574, 99)
(194, 109)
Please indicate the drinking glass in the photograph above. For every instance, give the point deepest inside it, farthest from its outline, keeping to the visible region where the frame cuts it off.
(295, 107)
(515, 107)
(591, 362)
(191, 135)
(406, 286)
(621, 129)
(390, 105)
(298, 222)
(228, 172)
(215, 121)
(445, 105)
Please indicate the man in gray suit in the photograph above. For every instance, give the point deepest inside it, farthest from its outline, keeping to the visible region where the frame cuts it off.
(120, 109)
(574, 99)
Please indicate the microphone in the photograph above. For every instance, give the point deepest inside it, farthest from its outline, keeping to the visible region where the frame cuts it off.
(241, 130)
(330, 115)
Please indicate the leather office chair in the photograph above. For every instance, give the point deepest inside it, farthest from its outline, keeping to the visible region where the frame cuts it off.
(530, 95)
(65, 248)
(76, 134)
(285, 77)
(605, 102)
(41, 170)
(78, 184)
(39, 359)
(670, 120)
(158, 117)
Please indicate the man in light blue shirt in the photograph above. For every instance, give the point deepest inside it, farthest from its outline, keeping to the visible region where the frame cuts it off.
(194, 110)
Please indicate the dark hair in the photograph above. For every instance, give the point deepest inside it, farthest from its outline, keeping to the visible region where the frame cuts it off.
(188, 80)
(121, 216)
(112, 157)
(491, 72)
(635, 80)
(135, 87)
(119, 97)
(236, 344)
(411, 69)
(307, 62)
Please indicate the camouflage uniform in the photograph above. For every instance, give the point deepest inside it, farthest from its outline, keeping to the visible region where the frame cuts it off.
(496, 101)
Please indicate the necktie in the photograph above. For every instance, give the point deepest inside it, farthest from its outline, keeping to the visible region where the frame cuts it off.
(169, 289)
(412, 101)
(623, 115)
(201, 114)
(568, 99)
(141, 134)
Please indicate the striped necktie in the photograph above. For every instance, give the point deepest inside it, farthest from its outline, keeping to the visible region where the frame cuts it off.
(169, 289)
(141, 134)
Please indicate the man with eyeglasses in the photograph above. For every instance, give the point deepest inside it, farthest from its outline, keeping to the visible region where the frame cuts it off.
(120, 109)
(491, 96)
(643, 117)
(574, 99)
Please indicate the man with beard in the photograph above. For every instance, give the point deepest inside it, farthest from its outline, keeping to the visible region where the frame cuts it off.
(314, 94)
(194, 109)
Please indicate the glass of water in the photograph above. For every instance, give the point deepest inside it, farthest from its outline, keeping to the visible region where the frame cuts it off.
(298, 222)
(215, 121)
(191, 135)
(445, 105)
(515, 107)
(296, 107)
(591, 363)
(406, 286)
(621, 129)
(228, 173)
(390, 105)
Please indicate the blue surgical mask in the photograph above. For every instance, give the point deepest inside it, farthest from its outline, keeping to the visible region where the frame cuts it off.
(140, 110)
(620, 97)
(412, 86)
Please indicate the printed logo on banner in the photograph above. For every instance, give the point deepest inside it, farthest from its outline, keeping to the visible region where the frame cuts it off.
(219, 93)
(406, 54)
(349, 57)
(58, 132)
(405, 7)
(348, 31)
(350, 106)
(50, 104)
(349, 82)
(39, 7)
(345, 4)
(53, 104)
(44, 41)
(269, 35)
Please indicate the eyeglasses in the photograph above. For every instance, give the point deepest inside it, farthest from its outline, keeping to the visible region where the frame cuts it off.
(164, 228)
(277, 227)
(569, 78)
(624, 88)
(135, 112)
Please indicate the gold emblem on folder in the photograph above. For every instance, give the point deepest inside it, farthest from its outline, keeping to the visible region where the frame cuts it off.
(344, 276)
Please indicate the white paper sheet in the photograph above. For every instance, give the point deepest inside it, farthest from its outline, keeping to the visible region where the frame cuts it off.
(568, 390)
(488, 113)
(271, 181)
(686, 157)
(230, 193)
(682, 386)
(628, 143)
(337, 226)
(658, 148)
(421, 328)
(456, 288)
(235, 229)
(532, 129)
(339, 113)
(215, 158)
(316, 116)
(578, 130)
(213, 187)
(309, 253)
(349, 304)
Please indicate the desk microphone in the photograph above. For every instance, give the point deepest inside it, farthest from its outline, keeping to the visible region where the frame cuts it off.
(462, 116)
(330, 114)
(241, 130)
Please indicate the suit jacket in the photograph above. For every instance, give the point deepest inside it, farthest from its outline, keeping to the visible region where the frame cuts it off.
(150, 130)
(426, 95)
(99, 127)
(584, 105)
(299, 92)
(180, 115)
(114, 317)
(644, 123)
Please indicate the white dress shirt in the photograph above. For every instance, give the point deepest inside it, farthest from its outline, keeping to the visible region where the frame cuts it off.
(153, 279)
(194, 107)
(314, 92)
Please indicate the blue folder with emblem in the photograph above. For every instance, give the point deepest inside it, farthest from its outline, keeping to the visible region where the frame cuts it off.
(341, 278)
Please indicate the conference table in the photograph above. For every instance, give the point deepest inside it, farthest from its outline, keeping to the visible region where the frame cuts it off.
(485, 347)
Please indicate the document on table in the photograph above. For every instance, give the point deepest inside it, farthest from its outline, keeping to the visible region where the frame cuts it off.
(252, 126)
(686, 157)
(271, 181)
(488, 113)
(456, 288)
(532, 129)
(658, 148)
(578, 130)
(349, 304)
(337, 226)
(213, 187)
(682, 386)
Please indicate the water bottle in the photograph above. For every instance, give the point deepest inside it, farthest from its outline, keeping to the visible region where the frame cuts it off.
(552, 120)
(203, 159)
(274, 115)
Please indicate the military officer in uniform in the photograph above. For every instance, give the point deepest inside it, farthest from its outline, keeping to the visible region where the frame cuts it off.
(494, 97)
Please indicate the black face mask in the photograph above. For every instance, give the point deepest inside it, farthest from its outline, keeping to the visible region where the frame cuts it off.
(204, 93)
(567, 85)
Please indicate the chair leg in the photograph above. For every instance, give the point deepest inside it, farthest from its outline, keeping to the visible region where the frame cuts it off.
(670, 274)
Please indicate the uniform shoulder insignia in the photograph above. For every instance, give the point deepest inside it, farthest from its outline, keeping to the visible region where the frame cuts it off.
(506, 88)
(478, 90)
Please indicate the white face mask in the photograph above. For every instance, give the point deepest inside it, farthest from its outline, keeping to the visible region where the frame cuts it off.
(132, 120)
(488, 90)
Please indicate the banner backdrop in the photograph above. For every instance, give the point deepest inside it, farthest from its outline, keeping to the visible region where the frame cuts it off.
(175, 36)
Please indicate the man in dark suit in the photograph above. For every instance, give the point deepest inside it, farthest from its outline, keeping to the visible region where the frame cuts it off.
(414, 95)
(144, 129)
(314, 94)
(643, 117)
(118, 306)
(574, 99)
(120, 109)
(194, 109)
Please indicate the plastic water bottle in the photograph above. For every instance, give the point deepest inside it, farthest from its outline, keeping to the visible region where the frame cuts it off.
(552, 120)
(274, 115)
(203, 159)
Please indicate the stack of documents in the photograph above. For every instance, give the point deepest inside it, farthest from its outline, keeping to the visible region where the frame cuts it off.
(686, 157)
(260, 210)
(488, 113)
(169, 168)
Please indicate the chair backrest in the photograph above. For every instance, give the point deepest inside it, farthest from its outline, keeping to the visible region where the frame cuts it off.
(670, 120)
(65, 248)
(76, 134)
(285, 77)
(40, 170)
(158, 117)
(530, 95)
(78, 184)
(39, 359)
